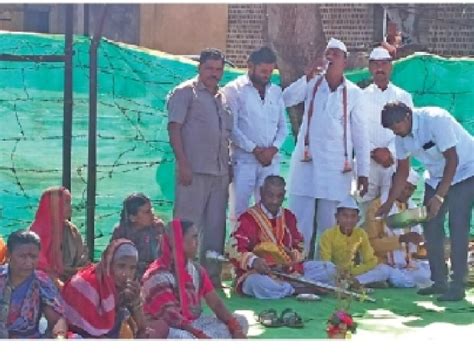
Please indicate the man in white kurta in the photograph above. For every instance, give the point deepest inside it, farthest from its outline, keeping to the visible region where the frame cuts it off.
(317, 186)
(434, 137)
(382, 140)
(258, 132)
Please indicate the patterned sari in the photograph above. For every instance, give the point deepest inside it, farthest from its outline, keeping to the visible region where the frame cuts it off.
(172, 288)
(91, 299)
(21, 307)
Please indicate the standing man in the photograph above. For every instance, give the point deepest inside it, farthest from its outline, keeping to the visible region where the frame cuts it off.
(259, 129)
(199, 130)
(334, 124)
(437, 140)
(382, 140)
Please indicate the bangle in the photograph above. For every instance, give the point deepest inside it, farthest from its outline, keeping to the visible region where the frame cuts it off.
(439, 198)
(233, 325)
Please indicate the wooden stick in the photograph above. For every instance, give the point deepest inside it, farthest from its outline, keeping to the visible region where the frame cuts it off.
(324, 286)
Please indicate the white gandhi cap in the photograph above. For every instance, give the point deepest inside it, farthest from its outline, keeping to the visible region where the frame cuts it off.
(348, 202)
(380, 54)
(335, 43)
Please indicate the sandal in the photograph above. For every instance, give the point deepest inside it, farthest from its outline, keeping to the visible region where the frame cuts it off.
(291, 319)
(269, 318)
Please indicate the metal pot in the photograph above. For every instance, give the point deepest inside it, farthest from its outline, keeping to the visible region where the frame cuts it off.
(407, 218)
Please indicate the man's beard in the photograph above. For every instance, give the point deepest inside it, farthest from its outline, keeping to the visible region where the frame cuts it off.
(256, 80)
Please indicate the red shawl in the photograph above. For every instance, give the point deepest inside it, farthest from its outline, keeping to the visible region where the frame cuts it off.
(90, 296)
(49, 225)
(177, 303)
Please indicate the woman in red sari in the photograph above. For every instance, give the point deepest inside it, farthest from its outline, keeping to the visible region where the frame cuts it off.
(103, 300)
(62, 250)
(174, 285)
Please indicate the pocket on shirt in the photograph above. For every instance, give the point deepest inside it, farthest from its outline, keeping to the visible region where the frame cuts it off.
(227, 120)
(335, 112)
(433, 152)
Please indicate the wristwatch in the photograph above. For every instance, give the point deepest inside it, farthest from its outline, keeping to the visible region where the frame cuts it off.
(439, 198)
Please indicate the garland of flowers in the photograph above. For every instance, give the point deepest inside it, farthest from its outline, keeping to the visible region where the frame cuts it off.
(341, 322)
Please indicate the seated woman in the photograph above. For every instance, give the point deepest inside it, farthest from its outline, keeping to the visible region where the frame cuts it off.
(27, 294)
(103, 300)
(139, 224)
(173, 286)
(62, 249)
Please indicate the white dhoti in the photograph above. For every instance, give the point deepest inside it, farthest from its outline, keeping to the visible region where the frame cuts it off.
(210, 325)
(379, 273)
(419, 275)
(266, 287)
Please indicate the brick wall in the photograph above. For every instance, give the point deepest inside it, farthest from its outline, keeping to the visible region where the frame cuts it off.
(351, 23)
(246, 31)
(451, 29)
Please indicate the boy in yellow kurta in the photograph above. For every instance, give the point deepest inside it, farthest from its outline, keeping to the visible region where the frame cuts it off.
(349, 248)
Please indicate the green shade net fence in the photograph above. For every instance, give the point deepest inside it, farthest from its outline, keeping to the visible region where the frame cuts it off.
(133, 153)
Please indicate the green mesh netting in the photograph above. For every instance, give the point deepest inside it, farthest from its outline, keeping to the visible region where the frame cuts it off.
(133, 153)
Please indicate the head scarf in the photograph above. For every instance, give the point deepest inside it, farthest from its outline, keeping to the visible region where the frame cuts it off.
(163, 301)
(126, 250)
(49, 225)
(90, 296)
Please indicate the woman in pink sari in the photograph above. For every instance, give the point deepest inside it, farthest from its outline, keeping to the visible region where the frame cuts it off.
(174, 286)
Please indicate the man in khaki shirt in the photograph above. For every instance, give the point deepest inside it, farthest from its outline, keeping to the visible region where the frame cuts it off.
(199, 130)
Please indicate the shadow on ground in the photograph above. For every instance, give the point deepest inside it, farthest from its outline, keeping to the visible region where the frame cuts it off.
(397, 312)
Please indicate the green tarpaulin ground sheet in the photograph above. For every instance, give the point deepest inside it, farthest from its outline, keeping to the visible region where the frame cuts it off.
(134, 155)
(396, 313)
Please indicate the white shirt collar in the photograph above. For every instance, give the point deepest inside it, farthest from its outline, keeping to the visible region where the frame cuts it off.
(341, 85)
(380, 90)
(269, 214)
(414, 124)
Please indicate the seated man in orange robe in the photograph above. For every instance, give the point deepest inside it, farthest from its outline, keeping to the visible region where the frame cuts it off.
(266, 237)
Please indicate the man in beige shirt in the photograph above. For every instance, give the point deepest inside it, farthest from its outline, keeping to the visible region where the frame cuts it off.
(199, 130)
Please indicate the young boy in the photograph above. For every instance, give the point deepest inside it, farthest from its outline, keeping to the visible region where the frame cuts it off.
(349, 248)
